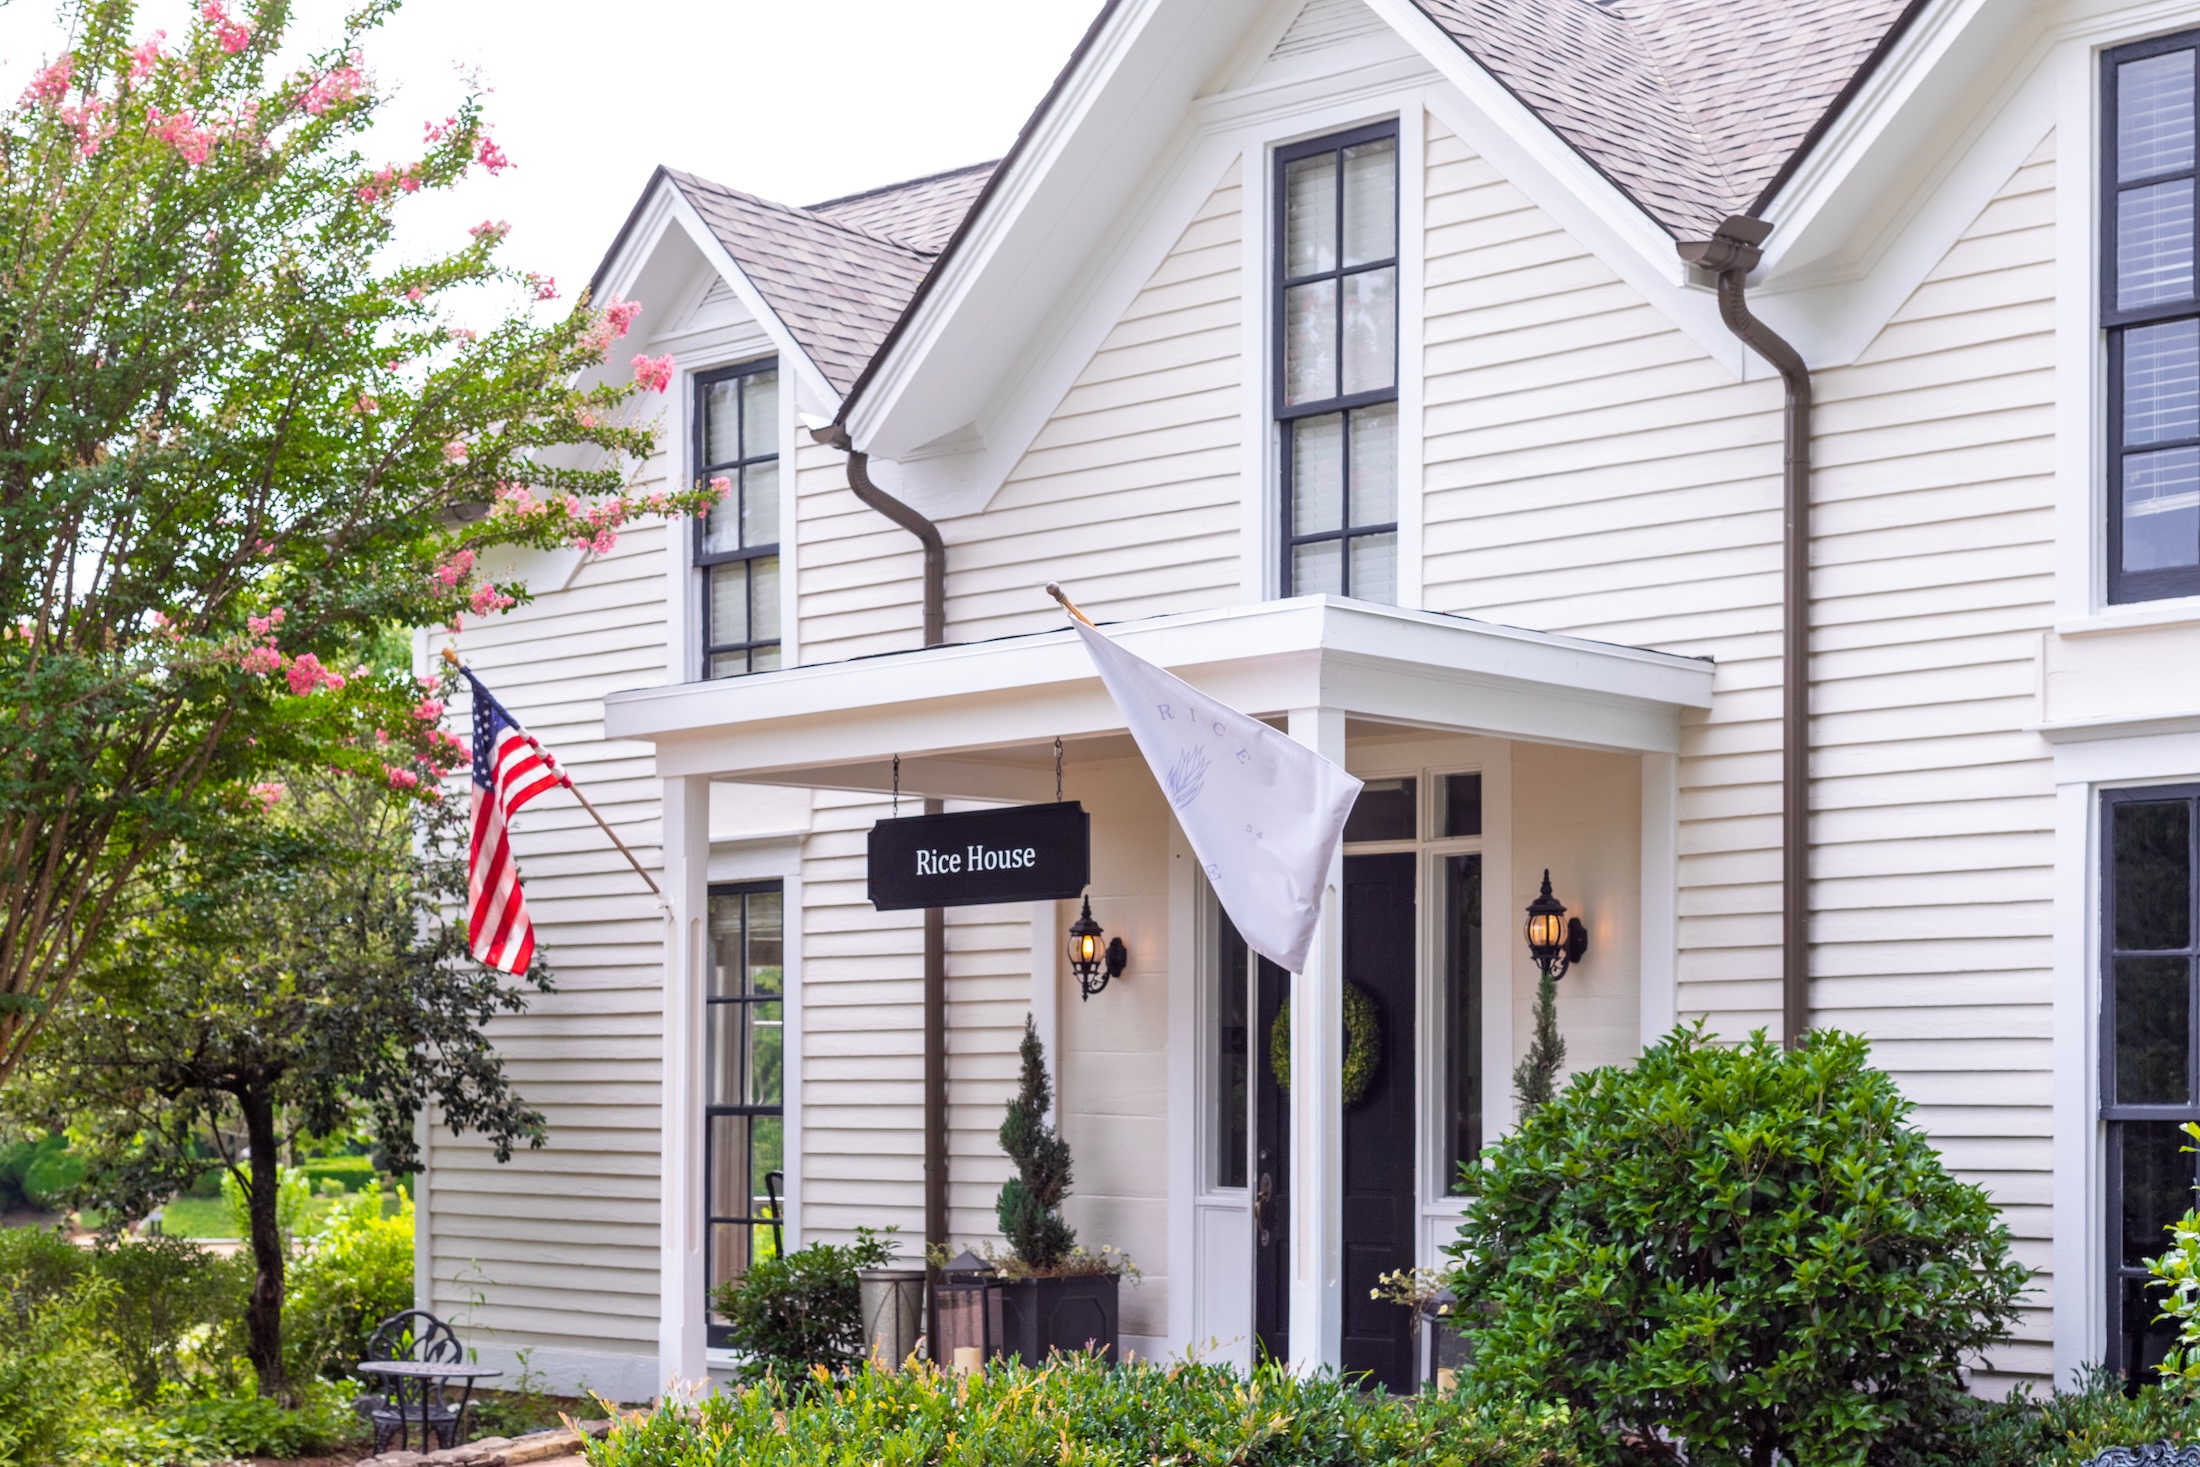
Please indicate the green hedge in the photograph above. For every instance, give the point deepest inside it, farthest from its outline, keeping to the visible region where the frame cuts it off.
(1080, 1411)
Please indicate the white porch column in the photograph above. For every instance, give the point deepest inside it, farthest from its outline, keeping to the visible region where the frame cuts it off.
(680, 1334)
(1317, 1102)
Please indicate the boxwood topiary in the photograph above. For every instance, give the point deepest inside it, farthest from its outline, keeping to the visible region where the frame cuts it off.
(1746, 1250)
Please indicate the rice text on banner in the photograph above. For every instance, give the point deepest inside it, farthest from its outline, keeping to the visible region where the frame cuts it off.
(1263, 813)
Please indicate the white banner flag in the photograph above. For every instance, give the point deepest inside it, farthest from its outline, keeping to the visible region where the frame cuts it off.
(1264, 814)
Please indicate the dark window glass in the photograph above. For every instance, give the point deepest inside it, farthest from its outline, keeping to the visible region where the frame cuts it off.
(1384, 811)
(737, 543)
(1233, 1029)
(1462, 1016)
(1459, 798)
(2153, 319)
(744, 1093)
(1336, 380)
(2147, 990)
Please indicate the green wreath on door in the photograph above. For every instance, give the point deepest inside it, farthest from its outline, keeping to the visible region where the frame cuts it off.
(1363, 1044)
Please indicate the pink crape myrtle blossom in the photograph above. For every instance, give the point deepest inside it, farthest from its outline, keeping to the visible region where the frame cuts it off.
(368, 405)
(307, 675)
(181, 131)
(269, 794)
(91, 124)
(545, 287)
(454, 452)
(260, 626)
(368, 193)
(51, 83)
(491, 230)
(260, 661)
(231, 35)
(333, 88)
(401, 779)
(488, 599)
(146, 57)
(610, 325)
(491, 157)
(452, 571)
(654, 372)
(428, 710)
(416, 295)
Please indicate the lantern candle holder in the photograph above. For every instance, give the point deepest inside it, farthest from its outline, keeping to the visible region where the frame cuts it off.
(968, 1294)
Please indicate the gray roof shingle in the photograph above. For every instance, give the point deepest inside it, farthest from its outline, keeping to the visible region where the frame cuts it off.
(921, 213)
(1692, 107)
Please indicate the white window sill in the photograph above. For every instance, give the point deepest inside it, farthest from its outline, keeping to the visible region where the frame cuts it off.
(2177, 611)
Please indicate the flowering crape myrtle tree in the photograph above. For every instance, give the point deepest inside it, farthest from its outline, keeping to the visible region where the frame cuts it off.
(237, 441)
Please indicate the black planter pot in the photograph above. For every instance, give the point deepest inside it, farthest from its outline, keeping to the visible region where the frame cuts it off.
(1043, 1315)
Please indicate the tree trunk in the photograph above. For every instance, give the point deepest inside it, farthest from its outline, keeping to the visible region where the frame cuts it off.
(263, 1316)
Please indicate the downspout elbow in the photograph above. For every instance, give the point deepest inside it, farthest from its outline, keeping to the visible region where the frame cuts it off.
(927, 533)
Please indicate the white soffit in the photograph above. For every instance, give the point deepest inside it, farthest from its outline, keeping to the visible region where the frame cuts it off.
(1414, 668)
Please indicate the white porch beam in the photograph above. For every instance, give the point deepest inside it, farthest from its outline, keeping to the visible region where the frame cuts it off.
(1317, 1102)
(681, 1339)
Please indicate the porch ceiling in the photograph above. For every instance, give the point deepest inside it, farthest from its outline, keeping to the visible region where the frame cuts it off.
(965, 717)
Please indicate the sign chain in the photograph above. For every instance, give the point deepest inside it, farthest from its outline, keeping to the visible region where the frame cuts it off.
(897, 787)
(1057, 771)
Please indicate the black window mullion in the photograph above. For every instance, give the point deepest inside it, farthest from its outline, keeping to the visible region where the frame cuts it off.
(738, 470)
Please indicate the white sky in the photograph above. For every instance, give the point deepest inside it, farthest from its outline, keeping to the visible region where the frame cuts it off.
(795, 101)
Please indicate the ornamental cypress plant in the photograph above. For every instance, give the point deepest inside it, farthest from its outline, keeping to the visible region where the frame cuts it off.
(1030, 1206)
(1743, 1250)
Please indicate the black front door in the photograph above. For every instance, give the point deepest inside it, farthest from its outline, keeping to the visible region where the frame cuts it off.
(1378, 1137)
(1271, 1176)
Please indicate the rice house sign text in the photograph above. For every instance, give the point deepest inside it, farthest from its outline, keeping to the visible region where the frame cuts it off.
(1025, 853)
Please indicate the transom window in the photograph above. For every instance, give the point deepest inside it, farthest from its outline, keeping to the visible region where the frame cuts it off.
(737, 543)
(2149, 922)
(2149, 308)
(744, 1099)
(1336, 369)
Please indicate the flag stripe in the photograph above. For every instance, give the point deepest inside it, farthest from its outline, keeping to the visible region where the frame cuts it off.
(510, 769)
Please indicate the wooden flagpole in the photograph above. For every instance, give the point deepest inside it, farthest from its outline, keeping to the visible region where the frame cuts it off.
(566, 779)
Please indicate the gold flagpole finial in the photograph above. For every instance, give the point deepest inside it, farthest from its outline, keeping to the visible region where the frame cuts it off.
(1067, 604)
(450, 655)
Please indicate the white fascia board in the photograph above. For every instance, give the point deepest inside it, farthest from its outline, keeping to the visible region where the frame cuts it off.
(1082, 160)
(1413, 667)
(671, 207)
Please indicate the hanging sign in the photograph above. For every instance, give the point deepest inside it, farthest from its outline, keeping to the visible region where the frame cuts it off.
(1024, 853)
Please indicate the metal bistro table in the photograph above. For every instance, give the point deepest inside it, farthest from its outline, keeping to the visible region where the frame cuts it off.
(425, 1378)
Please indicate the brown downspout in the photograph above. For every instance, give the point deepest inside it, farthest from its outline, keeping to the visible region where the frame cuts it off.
(935, 924)
(1732, 252)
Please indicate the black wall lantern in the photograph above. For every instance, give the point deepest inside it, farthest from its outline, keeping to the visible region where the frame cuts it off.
(1093, 964)
(1555, 941)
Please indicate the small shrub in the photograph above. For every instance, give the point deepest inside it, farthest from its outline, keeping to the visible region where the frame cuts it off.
(802, 1309)
(165, 1291)
(1083, 1411)
(1747, 1249)
(1030, 1206)
(354, 1273)
(37, 1264)
(244, 1424)
(52, 1375)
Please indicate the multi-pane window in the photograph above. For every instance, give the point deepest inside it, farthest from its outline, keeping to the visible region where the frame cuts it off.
(2148, 946)
(1336, 369)
(1459, 816)
(744, 1101)
(2152, 315)
(737, 543)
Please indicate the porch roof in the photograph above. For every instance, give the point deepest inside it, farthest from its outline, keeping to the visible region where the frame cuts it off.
(837, 725)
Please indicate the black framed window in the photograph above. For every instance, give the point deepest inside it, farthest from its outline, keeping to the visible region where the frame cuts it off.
(2150, 917)
(737, 543)
(1336, 366)
(744, 1100)
(2152, 316)
(1462, 1010)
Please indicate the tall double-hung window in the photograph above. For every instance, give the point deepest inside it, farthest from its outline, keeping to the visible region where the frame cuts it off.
(1336, 368)
(737, 543)
(744, 1097)
(2152, 314)
(2150, 1038)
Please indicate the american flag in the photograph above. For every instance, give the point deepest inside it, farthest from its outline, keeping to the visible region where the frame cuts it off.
(510, 769)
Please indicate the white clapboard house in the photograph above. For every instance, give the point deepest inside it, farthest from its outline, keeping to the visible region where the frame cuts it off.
(1440, 380)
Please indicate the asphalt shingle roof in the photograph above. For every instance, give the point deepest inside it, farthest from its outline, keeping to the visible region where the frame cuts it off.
(1691, 107)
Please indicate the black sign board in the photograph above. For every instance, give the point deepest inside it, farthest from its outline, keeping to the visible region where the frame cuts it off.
(1025, 853)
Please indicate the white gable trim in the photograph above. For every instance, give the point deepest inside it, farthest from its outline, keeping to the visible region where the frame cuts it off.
(665, 208)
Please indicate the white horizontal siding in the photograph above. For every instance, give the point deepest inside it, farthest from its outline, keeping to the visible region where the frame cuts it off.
(1589, 470)
(1128, 495)
(557, 1249)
